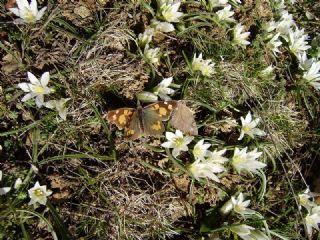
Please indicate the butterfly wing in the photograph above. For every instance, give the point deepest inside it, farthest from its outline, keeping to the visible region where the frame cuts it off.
(183, 119)
(154, 114)
(152, 123)
(121, 117)
(162, 109)
(134, 130)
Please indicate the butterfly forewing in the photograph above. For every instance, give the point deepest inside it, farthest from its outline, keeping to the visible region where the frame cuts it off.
(121, 117)
(162, 109)
(152, 123)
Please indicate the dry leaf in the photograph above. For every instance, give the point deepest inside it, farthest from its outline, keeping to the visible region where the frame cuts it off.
(10, 4)
(82, 11)
(10, 63)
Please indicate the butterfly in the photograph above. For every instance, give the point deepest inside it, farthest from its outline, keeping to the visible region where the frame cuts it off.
(142, 121)
(183, 119)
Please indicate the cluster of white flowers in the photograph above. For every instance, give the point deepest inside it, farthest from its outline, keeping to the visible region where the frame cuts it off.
(38, 89)
(205, 67)
(167, 13)
(162, 90)
(286, 28)
(208, 163)
(312, 219)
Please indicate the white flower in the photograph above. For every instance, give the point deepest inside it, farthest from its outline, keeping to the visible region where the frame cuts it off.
(279, 4)
(207, 168)
(145, 96)
(313, 219)
(312, 76)
(270, 26)
(34, 169)
(28, 12)
(17, 183)
(206, 67)
(216, 3)
(225, 14)
(243, 161)
(304, 200)
(267, 71)
(274, 43)
(240, 206)
(304, 62)
(242, 230)
(285, 23)
(38, 194)
(36, 88)
(239, 37)
(169, 11)
(145, 37)
(59, 105)
(163, 90)
(162, 26)
(4, 190)
(152, 55)
(249, 127)
(297, 42)
(216, 156)
(177, 141)
(200, 150)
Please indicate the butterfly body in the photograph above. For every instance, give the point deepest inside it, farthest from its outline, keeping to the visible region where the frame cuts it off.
(142, 121)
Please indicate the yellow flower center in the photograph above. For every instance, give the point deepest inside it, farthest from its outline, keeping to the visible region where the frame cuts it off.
(246, 129)
(29, 17)
(237, 159)
(38, 192)
(38, 89)
(178, 142)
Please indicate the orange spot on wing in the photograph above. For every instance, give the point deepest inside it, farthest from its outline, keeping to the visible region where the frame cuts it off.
(156, 126)
(122, 119)
(156, 106)
(163, 111)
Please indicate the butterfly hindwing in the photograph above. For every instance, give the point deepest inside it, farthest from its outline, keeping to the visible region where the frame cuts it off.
(121, 117)
(134, 130)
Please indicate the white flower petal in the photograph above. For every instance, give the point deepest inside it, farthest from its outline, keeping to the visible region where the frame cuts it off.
(39, 101)
(45, 79)
(4, 190)
(24, 86)
(33, 79)
(15, 11)
(27, 97)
